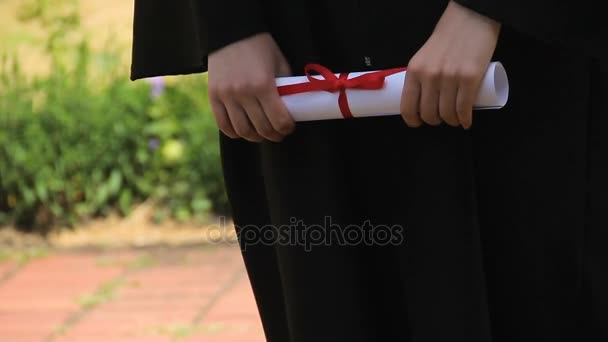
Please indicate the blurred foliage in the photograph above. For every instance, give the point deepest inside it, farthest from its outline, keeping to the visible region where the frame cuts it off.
(84, 141)
(60, 18)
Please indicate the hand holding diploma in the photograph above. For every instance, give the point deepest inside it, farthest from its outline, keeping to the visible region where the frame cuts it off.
(444, 77)
(448, 77)
(243, 93)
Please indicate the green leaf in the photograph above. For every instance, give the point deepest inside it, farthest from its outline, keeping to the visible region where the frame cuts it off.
(82, 209)
(164, 128)
(125, 201)
(29, 197)
(56, 209)
(182, 214)
(101, 196)
(201, 205)
(115, 182)
(41, 191)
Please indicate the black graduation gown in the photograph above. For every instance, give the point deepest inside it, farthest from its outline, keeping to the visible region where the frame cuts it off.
(504, 225)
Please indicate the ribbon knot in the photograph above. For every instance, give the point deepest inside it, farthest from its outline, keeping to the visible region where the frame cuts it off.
(332, 83)
(340, 85)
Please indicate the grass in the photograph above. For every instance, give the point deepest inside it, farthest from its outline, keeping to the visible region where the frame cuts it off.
(215, 328)
(142, 262)
(176, 331)
(104, 294)
(23, 256)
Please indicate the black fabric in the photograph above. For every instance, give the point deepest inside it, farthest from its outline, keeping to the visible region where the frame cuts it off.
(578, 25)
(169, 38)
(172, 38)
(504, 225)
(246, 20)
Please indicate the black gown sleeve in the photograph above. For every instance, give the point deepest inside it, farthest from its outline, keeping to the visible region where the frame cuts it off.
(233, 20)
(167, 38)
(175, 37)
(578, 25)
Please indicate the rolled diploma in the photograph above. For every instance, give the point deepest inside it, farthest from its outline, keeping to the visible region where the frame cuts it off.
(323, 105)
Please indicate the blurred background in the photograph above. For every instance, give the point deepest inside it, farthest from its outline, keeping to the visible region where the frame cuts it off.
(114, 223)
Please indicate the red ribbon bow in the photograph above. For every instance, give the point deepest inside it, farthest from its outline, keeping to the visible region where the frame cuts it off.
(332, 83)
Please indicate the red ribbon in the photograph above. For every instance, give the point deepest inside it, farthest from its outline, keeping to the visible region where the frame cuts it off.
(332, 83)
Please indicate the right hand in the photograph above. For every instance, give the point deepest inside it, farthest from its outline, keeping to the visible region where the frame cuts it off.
(243, 93)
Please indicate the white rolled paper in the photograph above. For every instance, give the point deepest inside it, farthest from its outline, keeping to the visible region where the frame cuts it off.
(323, 105)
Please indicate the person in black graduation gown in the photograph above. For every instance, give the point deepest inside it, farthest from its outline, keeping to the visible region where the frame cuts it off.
(504, 224)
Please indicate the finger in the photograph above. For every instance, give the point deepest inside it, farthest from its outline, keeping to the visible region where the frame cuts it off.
(242, 126)
(277, 113)
(259, 119)
(429, 103)
(447, 102)
(410, 99)
(221, 118)
(283, 69)
(464, 104)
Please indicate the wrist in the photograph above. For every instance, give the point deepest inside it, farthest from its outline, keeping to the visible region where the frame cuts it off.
(458, 13)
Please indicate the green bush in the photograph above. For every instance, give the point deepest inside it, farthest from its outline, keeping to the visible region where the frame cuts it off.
(85, 141)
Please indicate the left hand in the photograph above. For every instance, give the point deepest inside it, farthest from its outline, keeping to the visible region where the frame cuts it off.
(444, 76)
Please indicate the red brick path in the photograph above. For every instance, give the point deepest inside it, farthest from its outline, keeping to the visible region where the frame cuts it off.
(184, 294)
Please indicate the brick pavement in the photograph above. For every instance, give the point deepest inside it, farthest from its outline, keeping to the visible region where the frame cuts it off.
(161, 294)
